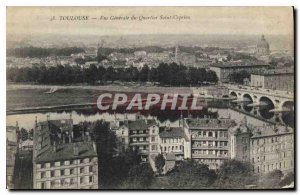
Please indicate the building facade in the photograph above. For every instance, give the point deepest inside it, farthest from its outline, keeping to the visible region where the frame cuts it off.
(11, 151)
(173, 140)
(62, 160)
(283, 81)
(210, 140)
(223, 71)
(272, 148)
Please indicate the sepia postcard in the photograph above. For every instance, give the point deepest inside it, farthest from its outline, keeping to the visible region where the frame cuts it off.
(189, 98)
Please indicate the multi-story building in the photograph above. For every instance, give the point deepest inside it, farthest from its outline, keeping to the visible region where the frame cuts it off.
(173, 140)
(122, 133)
(209, 140)
(272, 147)
(240, 141)
(140, 134)
(276, 80)
(224, 70)
(63, 158)
(143, 136)
(11, 151)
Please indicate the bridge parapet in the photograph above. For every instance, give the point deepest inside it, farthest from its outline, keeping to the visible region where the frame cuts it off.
(261, 91)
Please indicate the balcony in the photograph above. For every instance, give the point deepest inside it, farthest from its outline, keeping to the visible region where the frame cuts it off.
(210, 138)
(211, 147)
(139, 135)
(139, 143)
(210, 156)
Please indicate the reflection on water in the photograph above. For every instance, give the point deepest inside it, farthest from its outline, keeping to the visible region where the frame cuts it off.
(163, 117)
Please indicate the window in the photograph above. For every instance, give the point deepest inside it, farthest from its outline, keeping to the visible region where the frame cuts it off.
(153, 139)
(52, 164)
(61, 162)
(153, 131)
(90, 169)
(52, 183)
(81, 161)
(81, 179)
(123, 140)
(72, 181)
(91, 179)
(62, 172)
(81, 170)
(43, 186)
(43, 175)
(210, 134)
(52, 173)
(153, 148)
(43, 165)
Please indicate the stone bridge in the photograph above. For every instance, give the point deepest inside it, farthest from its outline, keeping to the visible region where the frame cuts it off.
(272, 105)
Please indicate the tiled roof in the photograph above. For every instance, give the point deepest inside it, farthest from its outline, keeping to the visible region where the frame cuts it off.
(271, 130)
(141, 124)
(173, 132)
(194, 123)
(66, 152)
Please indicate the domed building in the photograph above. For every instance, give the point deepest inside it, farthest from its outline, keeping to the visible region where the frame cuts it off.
(263, 47)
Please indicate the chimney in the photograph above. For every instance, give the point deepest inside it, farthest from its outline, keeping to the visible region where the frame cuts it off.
(54, 146)
(82, 135)
(88, 136)
(94, 147)
(35, 121)
(70, 138)
(63, 138)
(75, 149)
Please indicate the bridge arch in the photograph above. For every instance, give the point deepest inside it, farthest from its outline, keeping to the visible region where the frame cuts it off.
(265, 105)
(288, 113)
(247, 99)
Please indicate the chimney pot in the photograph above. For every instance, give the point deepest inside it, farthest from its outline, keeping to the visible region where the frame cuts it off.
(75, 149)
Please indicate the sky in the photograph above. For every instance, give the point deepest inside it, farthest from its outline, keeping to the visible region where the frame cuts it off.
(25, 21)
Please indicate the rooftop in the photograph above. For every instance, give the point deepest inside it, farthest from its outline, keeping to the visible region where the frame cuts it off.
(56, 141)
(66, 152)
(141, 124)
(271, 130)
(194, 123)
(240, 63)
(274, 72)
(173, 132)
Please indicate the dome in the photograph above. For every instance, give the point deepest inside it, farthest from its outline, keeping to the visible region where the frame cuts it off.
(263, 43)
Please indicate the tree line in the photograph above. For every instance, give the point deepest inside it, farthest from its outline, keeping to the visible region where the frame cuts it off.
(39, 52)
(165, 74)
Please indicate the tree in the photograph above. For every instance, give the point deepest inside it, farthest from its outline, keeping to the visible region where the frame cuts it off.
(160, 163)
(24, 134)
(288, 179)
(30, 135)
(191, 174)
(106, 145)
(139, 177)
(272, 179)
(234, 174)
